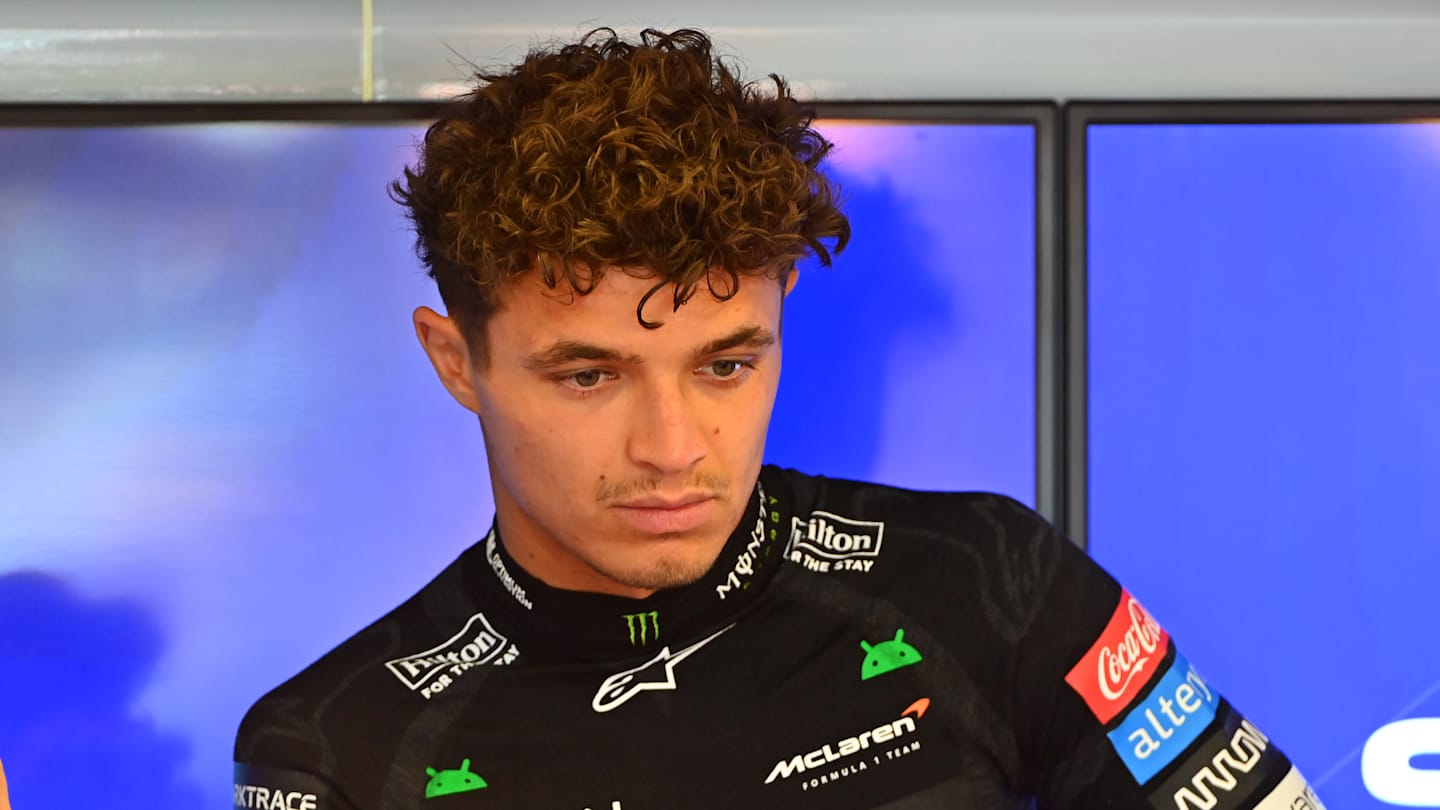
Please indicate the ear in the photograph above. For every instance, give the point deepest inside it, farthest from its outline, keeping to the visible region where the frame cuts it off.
(449, 353)
(791, 279)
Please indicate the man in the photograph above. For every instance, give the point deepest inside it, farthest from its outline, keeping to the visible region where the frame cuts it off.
(655, 620)
(4, 794)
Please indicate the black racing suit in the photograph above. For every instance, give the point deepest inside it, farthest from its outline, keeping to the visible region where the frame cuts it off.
(853, 646)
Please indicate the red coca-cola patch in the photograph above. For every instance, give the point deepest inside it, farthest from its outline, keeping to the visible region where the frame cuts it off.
(1119, 664)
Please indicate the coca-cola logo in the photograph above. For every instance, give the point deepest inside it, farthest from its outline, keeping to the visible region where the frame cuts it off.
(1119, 665)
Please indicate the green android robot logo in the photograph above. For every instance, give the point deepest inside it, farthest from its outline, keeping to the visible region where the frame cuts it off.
(444, 783)
(887, 656)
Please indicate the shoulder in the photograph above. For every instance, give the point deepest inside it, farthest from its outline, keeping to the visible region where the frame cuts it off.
(828, 514)
(909, 509)
(392, 661)
(981, 554)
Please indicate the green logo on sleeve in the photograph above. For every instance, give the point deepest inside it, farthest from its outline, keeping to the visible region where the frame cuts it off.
(444, 783)
(887, 656)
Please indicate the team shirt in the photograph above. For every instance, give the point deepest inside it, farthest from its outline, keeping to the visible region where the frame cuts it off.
(853, 646)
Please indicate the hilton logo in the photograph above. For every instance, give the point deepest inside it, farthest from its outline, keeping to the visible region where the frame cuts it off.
(828, 542)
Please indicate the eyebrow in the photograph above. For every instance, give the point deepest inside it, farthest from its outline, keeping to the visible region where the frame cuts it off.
(567, 351)
(562, 352)
(746, 336)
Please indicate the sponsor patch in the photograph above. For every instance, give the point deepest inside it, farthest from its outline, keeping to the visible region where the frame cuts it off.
(832, 762)
(657, 673)
(1122, 660)
(1293, 793)
(827, 542)
(260, 788)
(760, 544)
(1224, 770)
(453, 780)
(1160, 727)
(433, 670)
(502, 573)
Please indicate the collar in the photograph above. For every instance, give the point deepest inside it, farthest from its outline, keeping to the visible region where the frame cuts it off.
(551, 622)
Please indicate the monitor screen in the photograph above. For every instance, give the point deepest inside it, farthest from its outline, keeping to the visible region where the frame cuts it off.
(1264, 425)
(223, 451)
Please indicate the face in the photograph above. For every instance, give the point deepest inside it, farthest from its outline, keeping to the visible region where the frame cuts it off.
(621, 457)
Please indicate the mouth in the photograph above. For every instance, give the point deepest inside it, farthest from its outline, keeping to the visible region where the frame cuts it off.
(662, 502)
(667, 515)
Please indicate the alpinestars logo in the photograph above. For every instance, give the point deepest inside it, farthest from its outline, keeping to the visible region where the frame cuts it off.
(657, 673)
(759, 546)
(848, 747)
(828, 542)
(431, 671)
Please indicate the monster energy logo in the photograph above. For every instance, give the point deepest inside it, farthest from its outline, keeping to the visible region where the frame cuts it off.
(644, 627)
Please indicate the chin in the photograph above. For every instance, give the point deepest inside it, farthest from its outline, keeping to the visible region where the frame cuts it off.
(671, 568)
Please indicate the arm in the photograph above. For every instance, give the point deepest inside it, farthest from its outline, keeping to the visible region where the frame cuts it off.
(1111, 713)
(4, 794)
(280, 760)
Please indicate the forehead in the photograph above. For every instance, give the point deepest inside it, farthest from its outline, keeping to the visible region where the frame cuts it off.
(532, 313)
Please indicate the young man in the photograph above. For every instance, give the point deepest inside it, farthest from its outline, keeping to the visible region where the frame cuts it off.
(656, 620)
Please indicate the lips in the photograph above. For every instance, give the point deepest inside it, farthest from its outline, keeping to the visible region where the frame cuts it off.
(667, 515)
(654, 502)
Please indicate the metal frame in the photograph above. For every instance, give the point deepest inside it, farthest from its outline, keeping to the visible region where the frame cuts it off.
(160, 114)
(1078, 117)
(1050, 390)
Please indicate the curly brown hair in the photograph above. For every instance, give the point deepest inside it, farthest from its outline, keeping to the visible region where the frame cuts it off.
(651, 155)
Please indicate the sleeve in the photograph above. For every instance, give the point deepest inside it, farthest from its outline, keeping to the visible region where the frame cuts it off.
(1109, 713)
(280, 761)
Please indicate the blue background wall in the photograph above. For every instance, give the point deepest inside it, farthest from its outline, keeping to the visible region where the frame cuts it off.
(1264, 326)
(222, 448)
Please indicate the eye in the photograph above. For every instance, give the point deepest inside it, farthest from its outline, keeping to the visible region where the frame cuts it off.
(725, 368)
(729, 370)
(588, 378)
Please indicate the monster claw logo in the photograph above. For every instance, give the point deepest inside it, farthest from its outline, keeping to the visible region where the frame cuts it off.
(887, 656)
(644, 627)
(444, 783)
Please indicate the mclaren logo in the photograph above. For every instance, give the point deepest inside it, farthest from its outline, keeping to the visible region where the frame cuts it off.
(830, 752)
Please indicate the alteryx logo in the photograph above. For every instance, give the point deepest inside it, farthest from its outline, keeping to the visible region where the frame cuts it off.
(1172, 717)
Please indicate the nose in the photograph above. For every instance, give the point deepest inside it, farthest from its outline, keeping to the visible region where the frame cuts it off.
(667, 436)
